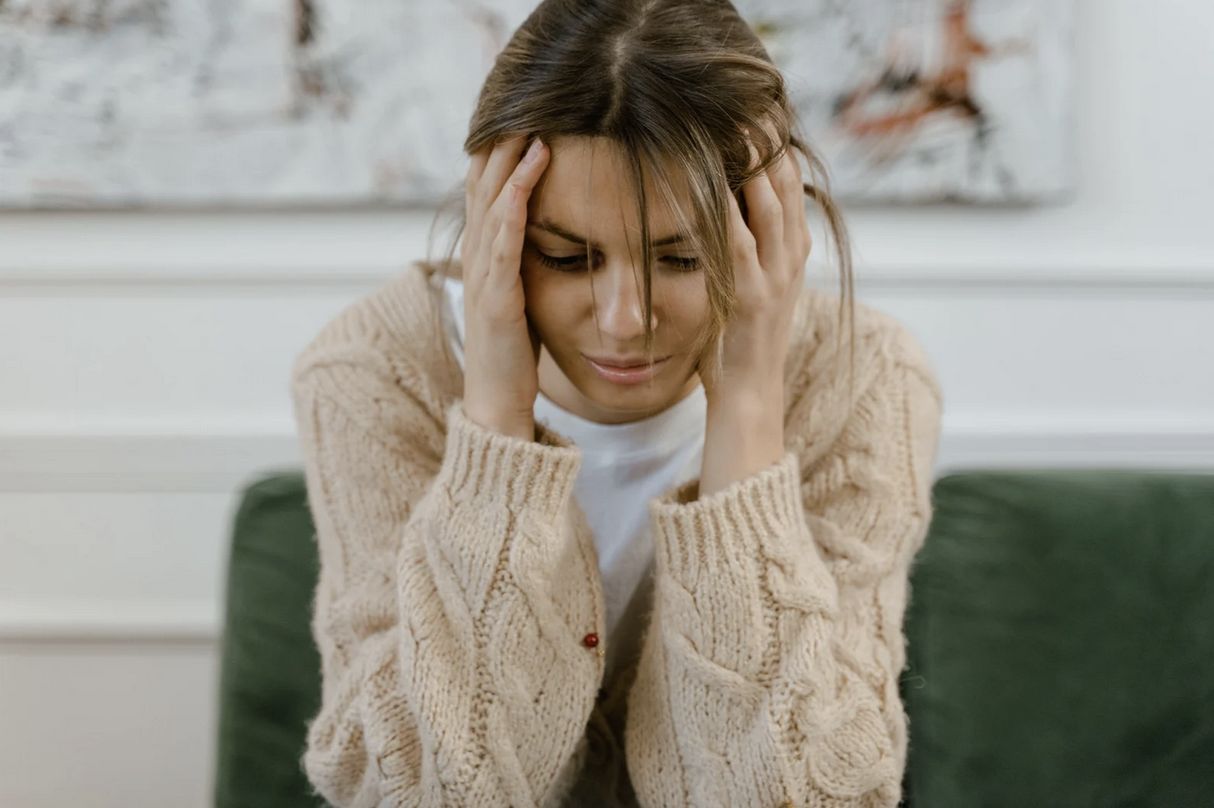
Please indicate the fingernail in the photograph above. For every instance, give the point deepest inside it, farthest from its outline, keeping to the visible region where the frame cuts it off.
(533, 152)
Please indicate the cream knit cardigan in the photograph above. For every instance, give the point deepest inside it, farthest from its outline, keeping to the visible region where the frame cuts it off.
(459, 578)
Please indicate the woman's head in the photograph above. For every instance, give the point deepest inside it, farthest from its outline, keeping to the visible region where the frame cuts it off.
(650, 108)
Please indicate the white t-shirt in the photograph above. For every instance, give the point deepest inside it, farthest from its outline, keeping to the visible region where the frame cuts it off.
(623, 467)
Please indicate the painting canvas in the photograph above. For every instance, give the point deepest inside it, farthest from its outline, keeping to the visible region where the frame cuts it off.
(931, 100)
(127, 103)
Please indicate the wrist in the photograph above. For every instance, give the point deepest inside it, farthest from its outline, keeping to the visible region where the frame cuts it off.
(744, 436)
(519, 426)
(756, 403)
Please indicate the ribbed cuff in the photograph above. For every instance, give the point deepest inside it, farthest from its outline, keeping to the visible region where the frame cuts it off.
(483, 464)
(704, 543)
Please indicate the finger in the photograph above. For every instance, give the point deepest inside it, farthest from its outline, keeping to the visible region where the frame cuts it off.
(766, 213)
(508, 217)
(476, 168)
(491, 211)
(796, 222)
(513, 198)
(502, 161)
(527, 173)
(792, 195)
(505, 252)
(746, 259)
(473, 216)
(525, 170)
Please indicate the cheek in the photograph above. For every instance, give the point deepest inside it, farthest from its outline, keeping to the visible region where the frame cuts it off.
(688, 310)
(536, 291)
(548, 307)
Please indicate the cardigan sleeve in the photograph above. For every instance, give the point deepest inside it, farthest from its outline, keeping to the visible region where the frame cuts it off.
(452, 600)
(770, 672)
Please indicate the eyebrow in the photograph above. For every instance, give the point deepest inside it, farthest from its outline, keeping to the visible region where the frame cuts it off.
(552, 227)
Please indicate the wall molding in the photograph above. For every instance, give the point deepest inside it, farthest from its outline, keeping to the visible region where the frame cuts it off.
(1095, 279)
(101, 621)
(1098, 282)
(1178, 449)
(219, 460)
(185, 461)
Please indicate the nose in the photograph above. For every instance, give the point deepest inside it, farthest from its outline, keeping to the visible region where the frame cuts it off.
(621, 305)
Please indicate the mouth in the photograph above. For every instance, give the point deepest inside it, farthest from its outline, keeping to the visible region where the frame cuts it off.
(630, 375)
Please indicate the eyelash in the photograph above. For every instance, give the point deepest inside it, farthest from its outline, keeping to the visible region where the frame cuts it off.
(568, 264)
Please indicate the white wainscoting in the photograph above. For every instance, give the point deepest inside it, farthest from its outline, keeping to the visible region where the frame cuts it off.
(117, 505)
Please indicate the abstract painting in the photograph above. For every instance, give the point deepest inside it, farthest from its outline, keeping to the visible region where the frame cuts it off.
(286, 103)
(931, 100)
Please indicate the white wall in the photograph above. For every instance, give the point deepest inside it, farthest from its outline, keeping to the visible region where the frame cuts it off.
(144, 360)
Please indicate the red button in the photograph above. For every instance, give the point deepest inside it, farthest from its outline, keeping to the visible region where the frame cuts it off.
(590, 640)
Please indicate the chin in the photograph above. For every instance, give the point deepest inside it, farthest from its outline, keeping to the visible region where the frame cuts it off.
(636, 397)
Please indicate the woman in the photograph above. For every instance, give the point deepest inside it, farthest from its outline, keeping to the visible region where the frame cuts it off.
(549, 578)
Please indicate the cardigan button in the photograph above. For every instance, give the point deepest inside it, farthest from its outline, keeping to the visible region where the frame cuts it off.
(590, 640)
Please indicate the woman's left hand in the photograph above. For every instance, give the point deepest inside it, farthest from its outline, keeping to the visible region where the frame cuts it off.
(745, 427)
(769, 257)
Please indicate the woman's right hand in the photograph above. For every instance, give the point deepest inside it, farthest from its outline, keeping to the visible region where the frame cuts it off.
(501, 348)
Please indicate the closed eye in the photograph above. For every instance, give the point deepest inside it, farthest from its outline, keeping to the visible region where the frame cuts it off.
(564, 264)
(574, 263)
(687, 264)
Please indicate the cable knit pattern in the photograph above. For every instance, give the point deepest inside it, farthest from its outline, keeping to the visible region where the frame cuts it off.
(458, 578)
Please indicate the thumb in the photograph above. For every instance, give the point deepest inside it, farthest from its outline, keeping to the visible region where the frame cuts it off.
(707, 365)
(534, 334)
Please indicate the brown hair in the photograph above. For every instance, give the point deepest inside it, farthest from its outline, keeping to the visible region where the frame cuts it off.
(681, 84)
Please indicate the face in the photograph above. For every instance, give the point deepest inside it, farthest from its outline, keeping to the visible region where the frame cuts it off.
(584, 196)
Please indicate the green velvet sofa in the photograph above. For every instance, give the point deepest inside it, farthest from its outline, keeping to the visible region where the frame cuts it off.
(1060, 644)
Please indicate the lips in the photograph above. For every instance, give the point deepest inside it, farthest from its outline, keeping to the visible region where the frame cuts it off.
(624, 364)
(630, 375)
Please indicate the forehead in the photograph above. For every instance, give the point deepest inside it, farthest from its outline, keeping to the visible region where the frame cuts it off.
(588, 184)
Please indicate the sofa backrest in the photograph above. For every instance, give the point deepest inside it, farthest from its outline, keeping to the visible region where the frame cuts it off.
(269, 683)
(1060, 643)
